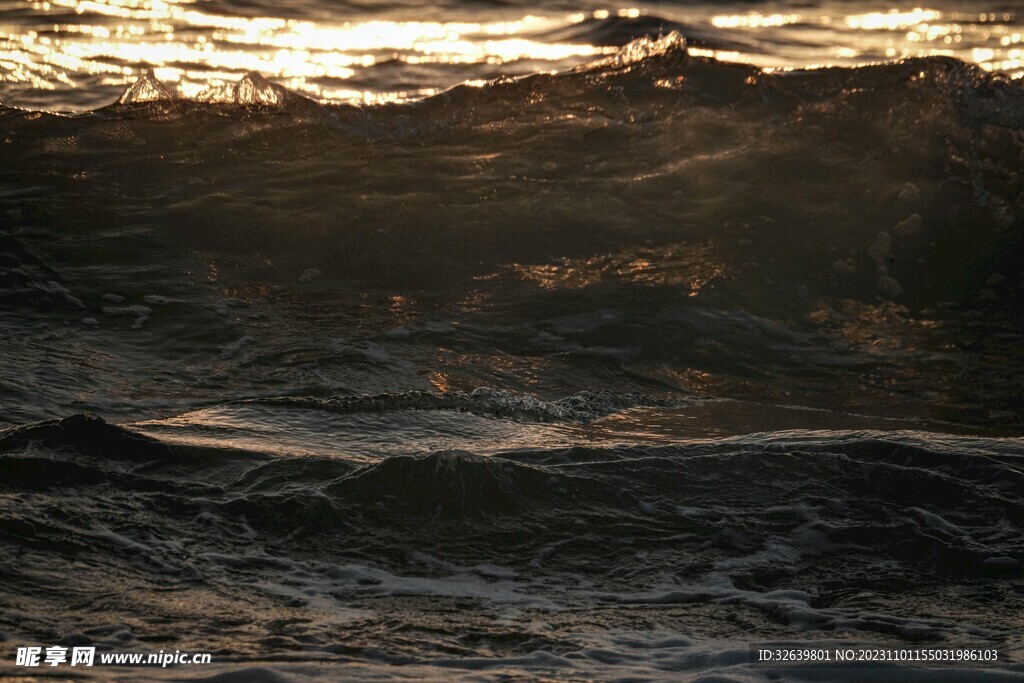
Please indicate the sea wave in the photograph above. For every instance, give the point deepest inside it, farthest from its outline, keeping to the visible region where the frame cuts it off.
(526, 378)
(734, 156)
(650, 221)
(723, 521)
(483, 401)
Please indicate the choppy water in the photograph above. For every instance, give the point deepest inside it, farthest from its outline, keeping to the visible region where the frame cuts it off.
(68, 54)
(601, 374)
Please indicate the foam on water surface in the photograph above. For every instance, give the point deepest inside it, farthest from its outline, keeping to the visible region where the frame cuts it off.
(604, 365)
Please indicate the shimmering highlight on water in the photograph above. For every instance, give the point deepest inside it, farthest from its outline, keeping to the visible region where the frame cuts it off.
(69, 54)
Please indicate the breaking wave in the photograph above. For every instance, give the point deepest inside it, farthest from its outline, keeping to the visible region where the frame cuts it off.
(611, 346)
(656, 220)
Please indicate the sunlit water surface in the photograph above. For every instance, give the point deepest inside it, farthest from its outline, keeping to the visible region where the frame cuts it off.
(608, 374)
(69, 55)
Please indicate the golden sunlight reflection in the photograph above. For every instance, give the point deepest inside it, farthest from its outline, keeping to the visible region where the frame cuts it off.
(754, 20)
(195, 49)
(830, 38)
(893, 20)
(69, 46)
(677, 265)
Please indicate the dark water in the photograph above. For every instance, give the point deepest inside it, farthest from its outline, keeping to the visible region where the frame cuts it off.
(598, 375)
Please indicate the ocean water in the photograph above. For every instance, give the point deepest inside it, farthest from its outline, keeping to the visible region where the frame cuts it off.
(508, 341)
